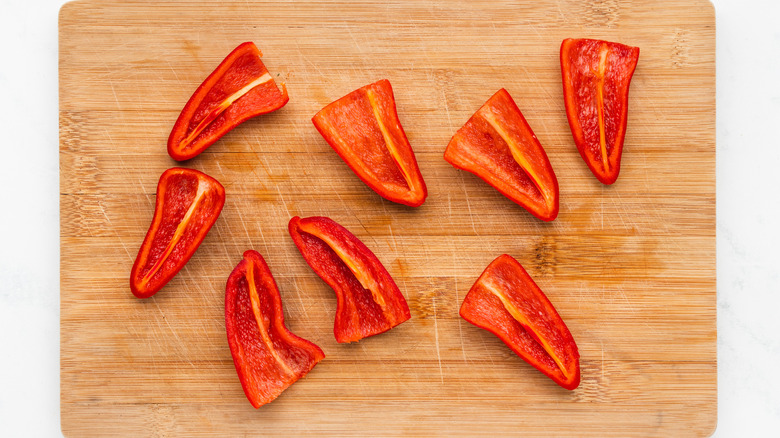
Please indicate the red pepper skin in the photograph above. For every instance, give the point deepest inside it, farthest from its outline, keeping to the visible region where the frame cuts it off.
(268, 357)
(368, 300)
(239, 89)
(188, 203)
(497, 145)
(363, 128)
(506, 302)
(596, 77)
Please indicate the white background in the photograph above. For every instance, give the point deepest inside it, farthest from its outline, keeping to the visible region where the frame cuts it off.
(748, 221)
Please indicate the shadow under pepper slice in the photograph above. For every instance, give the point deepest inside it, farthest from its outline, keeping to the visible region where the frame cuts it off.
(239, 89)
(506, 302)
(363, 128)
(497, 145)
(188, 203)
(368, 300)
(268, 357)
(596, 77)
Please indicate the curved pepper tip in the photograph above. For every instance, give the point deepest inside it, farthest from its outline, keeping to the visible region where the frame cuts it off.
(139, 293)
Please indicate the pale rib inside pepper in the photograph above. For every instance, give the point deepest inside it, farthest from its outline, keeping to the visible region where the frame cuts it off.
(517, 154)
(177, 235)
(255, 299)
(520, 317)
(224, 106)
(367, 281)
(391, 147)
(604, 51)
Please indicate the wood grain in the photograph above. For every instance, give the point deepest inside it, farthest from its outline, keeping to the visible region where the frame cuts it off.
(631, 267)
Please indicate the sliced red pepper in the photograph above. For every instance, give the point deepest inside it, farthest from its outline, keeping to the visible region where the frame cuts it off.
(596, 76)
(363, 128)
(497, 145)
(188, 204)
(368, 300)
(239, 89)
(268, 357)
(506, 302)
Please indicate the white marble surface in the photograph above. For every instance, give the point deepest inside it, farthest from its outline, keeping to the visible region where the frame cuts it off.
(748, 231)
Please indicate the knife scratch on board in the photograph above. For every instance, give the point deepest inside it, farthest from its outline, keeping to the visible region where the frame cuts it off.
(446, 107)
(176, 75)
(301, 301)
(468, 203)
(392, 237)
(116, 98)
(457, 302)
(436, 337)
(254, 172)
(308, 60)
(179, 342)
(561, 14)
(602, 363)
(111, 224)
(601, 207)
(284, 201)
(621, 210)
(246, 230)
(354, 40)
(103, 210)
(373, 239)
(551, 102)
(625, 298)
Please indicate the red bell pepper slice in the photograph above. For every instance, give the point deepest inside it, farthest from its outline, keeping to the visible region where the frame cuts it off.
(596, 76)
(188, 204)
(363, 128)
(506, 302)
(497, 145)
(268, 357)
(239, 89)
(368, 300)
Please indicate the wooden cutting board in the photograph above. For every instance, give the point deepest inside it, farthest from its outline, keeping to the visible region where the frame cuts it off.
(631, 267)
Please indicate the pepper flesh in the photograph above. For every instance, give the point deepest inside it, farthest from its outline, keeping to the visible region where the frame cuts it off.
(368, 300)
(268, 357)
(596, 78)
(497, 145)
(240, 88)
(506, 302)
(188, 203)
(363, 128)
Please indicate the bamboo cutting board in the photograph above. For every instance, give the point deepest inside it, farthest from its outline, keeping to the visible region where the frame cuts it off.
(631, 267)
